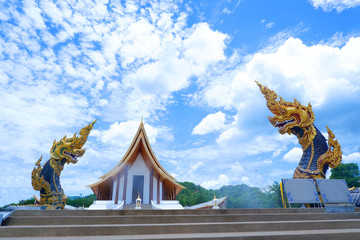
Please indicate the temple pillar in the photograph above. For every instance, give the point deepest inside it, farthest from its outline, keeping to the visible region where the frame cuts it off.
(111, 189)
(151, 185)
(117, 188)
(158, 188)
(125, 183)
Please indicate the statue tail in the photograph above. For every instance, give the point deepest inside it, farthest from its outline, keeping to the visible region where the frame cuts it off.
(38, 182)
(333, 155)
(35, 175)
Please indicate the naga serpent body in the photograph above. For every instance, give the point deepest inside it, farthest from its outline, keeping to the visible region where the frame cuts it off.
(46, 179)
(294, 118)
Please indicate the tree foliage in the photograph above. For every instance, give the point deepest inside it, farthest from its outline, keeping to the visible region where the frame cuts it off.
(29, 201)
(349, 172)
(194, 194)
(238, 196)
(75, 202)
(243, 196)
(82, 201)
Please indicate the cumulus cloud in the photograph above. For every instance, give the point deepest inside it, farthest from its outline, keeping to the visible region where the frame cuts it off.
(317, 73)
(351, 158)
(238, 168)
(201, 54)
(338, 5)
(121, 134)
(294, 155)
(211, 123)
(216, 183)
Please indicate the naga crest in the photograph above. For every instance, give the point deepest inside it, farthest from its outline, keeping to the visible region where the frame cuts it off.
(287, 115)
(71, 148)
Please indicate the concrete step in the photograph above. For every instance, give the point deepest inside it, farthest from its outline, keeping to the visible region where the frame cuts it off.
(329, 234)
(132, 207)
(183, 224)
(174, 228)
(148, 219)
(163, 212)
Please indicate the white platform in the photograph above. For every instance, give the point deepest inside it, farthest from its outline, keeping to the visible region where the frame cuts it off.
(106, 204)
(167, 204)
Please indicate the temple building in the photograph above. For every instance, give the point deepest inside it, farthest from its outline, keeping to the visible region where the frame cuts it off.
(138, 175)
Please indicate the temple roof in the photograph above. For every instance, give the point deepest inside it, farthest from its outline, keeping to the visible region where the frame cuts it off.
(140, 144)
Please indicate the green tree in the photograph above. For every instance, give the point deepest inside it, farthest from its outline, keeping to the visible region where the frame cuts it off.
(30, 201)
(243, 196)
(194, 194)
(273, 197)
(349, 172)
(82, 201)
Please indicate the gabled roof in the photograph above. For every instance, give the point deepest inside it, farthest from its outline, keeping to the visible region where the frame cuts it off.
(140, 144)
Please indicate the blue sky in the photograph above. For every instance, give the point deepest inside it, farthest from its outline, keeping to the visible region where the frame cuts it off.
(189, 69)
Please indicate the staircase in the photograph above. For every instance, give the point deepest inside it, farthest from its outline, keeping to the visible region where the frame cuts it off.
(132, 206)
(279, 224)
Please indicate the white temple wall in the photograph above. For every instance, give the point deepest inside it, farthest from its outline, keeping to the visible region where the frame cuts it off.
(138, 168)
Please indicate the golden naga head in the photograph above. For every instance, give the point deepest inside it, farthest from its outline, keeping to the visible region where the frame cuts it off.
(71, 148)
(287, 115)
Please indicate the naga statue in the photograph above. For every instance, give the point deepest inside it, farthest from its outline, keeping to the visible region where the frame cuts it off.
(46, 179)
(294, 118)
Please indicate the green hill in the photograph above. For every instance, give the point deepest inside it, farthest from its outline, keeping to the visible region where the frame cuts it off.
(238, 196)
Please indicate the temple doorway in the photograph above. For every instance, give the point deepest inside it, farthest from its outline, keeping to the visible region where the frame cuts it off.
(138, 187)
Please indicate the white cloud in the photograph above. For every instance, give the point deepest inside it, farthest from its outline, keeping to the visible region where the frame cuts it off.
(121, 134)
(339, 5)
(267, 24)
(237, 168)
(351, 158)
(161, 78)
(228, 134)
(204, 46)
(294, 155)
(317, 74)
(270, 25)
(216, 183)
(282, 173)
(139, 41)
(211, 123)
(245, 180)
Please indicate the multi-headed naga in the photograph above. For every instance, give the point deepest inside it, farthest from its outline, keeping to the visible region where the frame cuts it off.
(46, 179)
(294, 118)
